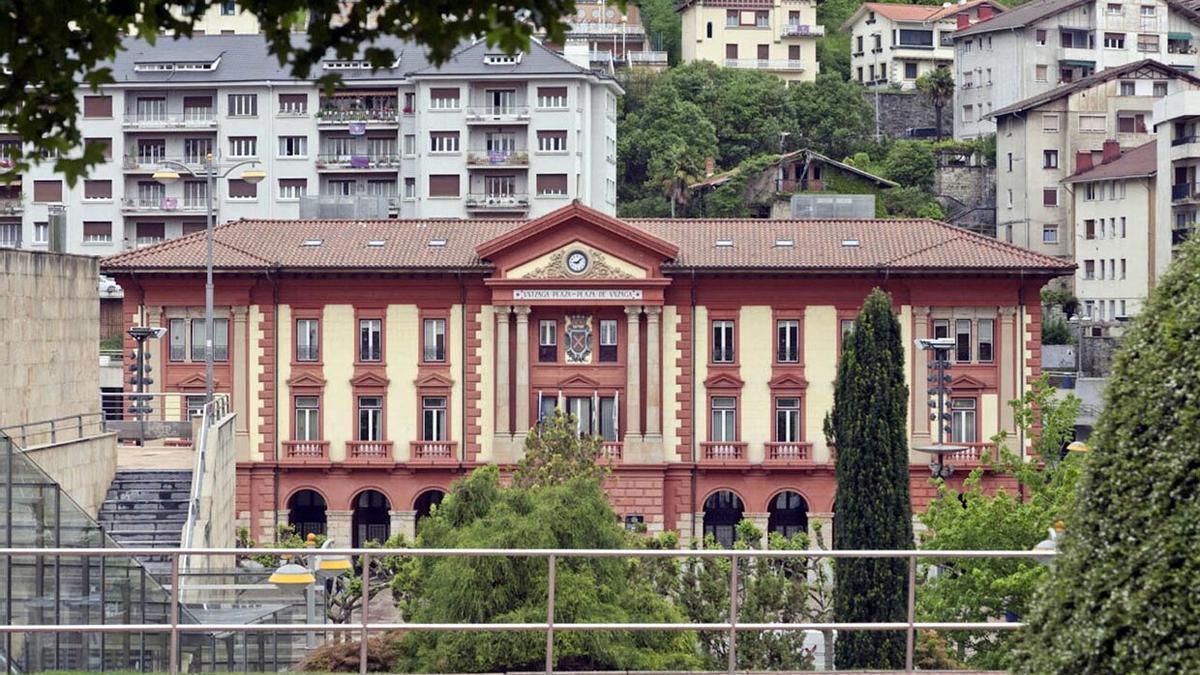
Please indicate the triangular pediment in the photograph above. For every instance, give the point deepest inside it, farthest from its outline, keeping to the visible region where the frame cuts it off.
(577, 260)
(369, 379)
(579, 382)
(435, 381)
(306, 380)
(723, 381)
(967, 383)
(788, 381)
(195, 381)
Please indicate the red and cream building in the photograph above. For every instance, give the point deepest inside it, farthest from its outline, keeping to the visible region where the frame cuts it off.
(372, 363)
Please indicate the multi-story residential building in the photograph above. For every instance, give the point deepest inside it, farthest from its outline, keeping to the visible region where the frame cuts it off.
(893, 44)
(610, 38)
(372, 363)
(775, 36)
(1039, 46)
(1038, 139)
(483, 135)
(1177, 122)
(1115, 229)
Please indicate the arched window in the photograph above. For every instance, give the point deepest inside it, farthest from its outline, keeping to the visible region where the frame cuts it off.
(788, 514)
(708, 31)
(426, 502)
(371, 520)
(306, 513)
(722, 513)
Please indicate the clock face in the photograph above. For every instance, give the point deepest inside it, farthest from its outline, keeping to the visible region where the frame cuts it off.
(577, 261)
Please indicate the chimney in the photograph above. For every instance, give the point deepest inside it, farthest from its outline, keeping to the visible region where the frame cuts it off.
(986, 12)
(1112, 150)
(1083, 161)
(710, 167)
(964, 20)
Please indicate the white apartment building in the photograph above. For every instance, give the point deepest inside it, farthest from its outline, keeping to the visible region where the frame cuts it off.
(1177, 122)
(483, 135)
(1044, 44)
(774, 36)
(1039, 140)
(1115, 229)
(894, 44)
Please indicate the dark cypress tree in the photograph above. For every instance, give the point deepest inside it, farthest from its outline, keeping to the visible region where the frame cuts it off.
(1122, 593)
(873, 511)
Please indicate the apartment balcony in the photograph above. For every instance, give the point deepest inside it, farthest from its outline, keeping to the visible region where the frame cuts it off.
(497, 159)
(373, 117)
(974, 455)
(782, 65)
(1185, 147)
(613, 450)
(946, 40)
(801, 30)
(517, 114)
(162, 206)
(1181, 232)
(433, 452)
(12, 206)
(647, 58)
(1185, 192)
(306, 452)
(789, 454)
(580, 29)
(369, 452)
(507, 202)
(188, 120)
(134, 164)
(340, 162)
(723, 452)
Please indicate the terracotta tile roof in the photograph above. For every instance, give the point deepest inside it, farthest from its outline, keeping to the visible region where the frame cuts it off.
(897, 12)
(1021, 16)
(1138, 162)
(955, 8)
(817, 245)
(1091, 81)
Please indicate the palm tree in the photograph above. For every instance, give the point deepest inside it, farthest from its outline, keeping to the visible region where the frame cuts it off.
(938, 85)
(678, 171)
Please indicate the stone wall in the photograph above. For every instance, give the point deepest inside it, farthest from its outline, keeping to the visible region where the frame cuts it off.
(49, 336)
(967, 194)
(902, 110)
(83, 467)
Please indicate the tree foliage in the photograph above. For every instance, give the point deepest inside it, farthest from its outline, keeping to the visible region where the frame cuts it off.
(868, 424)
(938, 86)
(1121, 597)
(662, 25)
(555, 453)
(49, 47)
(911, 164)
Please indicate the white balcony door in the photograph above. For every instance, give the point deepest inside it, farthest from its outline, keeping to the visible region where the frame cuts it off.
(500, 186)
(501, 101)
(501, 142)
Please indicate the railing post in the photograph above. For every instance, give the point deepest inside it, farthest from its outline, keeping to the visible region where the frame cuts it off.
(366, 602)
(550, 581)
(910, 638)
(173, 655)
(79, 418)
(733, 611)
(53, 433)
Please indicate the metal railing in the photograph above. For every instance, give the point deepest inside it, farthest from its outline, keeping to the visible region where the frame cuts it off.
(357, 161)
(491, 113)
(732, 626)
(198, 117)
(646, 56)
(213, 410)
(514, 200)
(384, 115)
(802, 30)
(57, 430)
(765, 64)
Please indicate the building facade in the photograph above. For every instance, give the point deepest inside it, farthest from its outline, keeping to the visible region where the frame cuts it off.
(1177, 122)
(371, 363)
(602, 35)
(775, 36)
(1042, 45)
(894, 44)
(1116, 229)
(1039, 141)
(483, 135)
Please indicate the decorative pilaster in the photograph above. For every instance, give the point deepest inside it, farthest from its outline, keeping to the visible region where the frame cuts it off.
(404, 523)
(1010, 352)
(338, 526)
(502, 369)
(653, 373)
(633, 365)
(521, 426)
(240, 386)
(920, 388)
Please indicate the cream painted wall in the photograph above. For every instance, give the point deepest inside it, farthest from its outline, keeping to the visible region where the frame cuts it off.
(337, 328)
(454, 346)
(696, 46)
(402, 345)
(256, 351)
(670, 382)
(989, 421)
(700, 357)
(283, 349)
(596, 257)
(755, 335)
(487, 381)
(820, 369)
(906, 339)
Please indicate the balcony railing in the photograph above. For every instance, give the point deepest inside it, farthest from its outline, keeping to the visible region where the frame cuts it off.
(946, 40)
(495, 113)
(371, 115)
(484, 157)
(151, 163)
(12, 205)
(188, 119)
(723, 451)
(370, 451)
(169, 204)
(501, 202)
(434, 451)
(613, 450)
(973, 455)
(306, 451)
(1184, 191)
(789, 452)
(646, 56)
(579, 28)
(802, 30)
(1181, 233)
(765, 64)
(368, 161)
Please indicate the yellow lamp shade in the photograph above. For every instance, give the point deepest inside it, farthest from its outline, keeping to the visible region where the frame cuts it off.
(1078, 446)
(292, 575)
(254, 176)
(166, 176)
(336, 564)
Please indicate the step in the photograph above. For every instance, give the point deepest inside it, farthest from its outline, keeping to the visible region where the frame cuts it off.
(143, 517)
(129, 508)
(147, 495)
(154, 473)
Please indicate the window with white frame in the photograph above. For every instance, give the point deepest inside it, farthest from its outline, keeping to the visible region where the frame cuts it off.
(41, 233)
(433, 343)
(787, 419)
(724, 419)
(962, 340)
(608, 341)
(381, 187)
(962, 420)
(1092, 124)
(243, 105)
(787, 341)
(985, 350)
(293, 104)
(1128, 88)
(220, 339)
(1050, 123)
(308, 347)
(308, 418)
(547, 341)
(370, 339)
(722, 341)
(243, 146)
(410, 144)
(552, 97)
(10, 235)
(293, 146)
(370, 418)
(433, 418)
(1114, 41)
(443, 141)
(410, 188)
(1050, 233)
(444, 98)
(552, 141)
(292, 188)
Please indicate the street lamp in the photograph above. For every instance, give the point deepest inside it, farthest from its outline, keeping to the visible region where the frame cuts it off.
(296, 576)
(1050, 544)
(941, 386)
(169, 172)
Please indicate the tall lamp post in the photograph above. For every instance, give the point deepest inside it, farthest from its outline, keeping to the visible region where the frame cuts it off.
(210, 172)
(941, 386)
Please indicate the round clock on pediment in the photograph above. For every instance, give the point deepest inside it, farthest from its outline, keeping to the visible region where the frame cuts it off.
(577, 262)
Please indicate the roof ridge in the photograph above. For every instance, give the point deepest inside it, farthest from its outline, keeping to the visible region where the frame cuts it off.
(1098, 77)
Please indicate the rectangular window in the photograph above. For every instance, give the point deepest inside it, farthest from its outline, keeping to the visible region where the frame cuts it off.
(97, 232)
(444, 98)
(1049, 159)
(433, 418)
(370, 340)
(196, 150)
(97, 107)
(1114, 41)
(243, 105)
(608, 418)
(962, 425)
(762, 19)
(962, 340)
(240, 189)
(551, 184)
(41, 232)
(293, 146)
(1039, 36)
(1041, 73)
(547, 341)
(410, 188)
(1089, 228)
(1131, 123)
(105, 145)
(150, 109)
(410, 144)
(787, 420)
(986, 328)
(97, 189)
(1089, 269)
(552, 97)
(443, 141)
(1123, 268)
(445, 185)
(1128, 88)
(1050, 123)
(292, 188)
(433, 345)
(731, 17)
(910, 70)
(916, 38)
(410, 102)
(178, 337)
(308, 340)
(243, 146)
(552, 141)
(608, 341)
(722, 341)
(1050, 233)
(724, 419)
(846, 329)
(293, 104)
(1148, 44)
(968, 113)
(47, 190)
(308, 418)
(220, 339)
(370, 418)
(1160, 89)
(787, 341)
(1092, 124)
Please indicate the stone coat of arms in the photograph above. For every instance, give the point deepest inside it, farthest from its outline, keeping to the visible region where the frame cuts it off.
(579, 338)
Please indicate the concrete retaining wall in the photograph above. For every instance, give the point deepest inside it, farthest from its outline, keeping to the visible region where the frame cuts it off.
(84, 467)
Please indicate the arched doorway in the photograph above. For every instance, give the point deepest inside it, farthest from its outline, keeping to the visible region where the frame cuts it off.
(788, 514)
(371, 520)
(306, 513)
(425, 503)
(722, 513)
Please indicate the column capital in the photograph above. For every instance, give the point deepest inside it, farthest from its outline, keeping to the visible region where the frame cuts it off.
(922, 310)
(522, 312)
(1008, 312)
(652, 312)
(632, 312)
(502, 312)
(239, 312)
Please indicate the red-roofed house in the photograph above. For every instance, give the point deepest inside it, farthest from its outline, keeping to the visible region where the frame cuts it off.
(371, 363)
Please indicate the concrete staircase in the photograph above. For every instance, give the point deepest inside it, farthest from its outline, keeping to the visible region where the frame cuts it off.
(147, 508)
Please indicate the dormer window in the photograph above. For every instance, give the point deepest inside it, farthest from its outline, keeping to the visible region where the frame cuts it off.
(502, 59)
(166, 67)
(346, 65)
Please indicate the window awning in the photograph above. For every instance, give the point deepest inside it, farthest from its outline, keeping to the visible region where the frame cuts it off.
(1077, 63)
(1179, 36)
